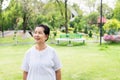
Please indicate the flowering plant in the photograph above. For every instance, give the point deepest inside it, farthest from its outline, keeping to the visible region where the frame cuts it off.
(112, 38)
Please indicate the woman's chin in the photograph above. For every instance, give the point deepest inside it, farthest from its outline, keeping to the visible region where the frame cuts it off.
(38, 42)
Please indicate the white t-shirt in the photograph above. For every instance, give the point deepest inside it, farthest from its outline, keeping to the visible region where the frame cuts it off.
(41, 65)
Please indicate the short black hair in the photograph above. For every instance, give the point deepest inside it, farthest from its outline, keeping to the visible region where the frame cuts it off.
(46, 29)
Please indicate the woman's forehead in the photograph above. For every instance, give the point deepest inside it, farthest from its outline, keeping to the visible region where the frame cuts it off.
(39, 29)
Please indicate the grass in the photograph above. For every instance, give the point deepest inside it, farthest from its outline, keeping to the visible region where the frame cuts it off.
(90, 63)
(10, 62)
(84, 62)
(12, 40)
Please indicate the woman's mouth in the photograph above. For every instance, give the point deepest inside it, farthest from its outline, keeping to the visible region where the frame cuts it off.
(37, 39)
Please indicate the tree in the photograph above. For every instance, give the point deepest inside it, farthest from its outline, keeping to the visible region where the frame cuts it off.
(91, 5)
(65, 13)
(27, 12)
(60, 7)
(1, 18)
(50, 12)
(117, 10)
(12, 14)
(106, 11)
(66, 17)
(92, 18)
(77, 9)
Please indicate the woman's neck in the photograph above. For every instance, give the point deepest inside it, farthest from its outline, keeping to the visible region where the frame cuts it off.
(41, 46)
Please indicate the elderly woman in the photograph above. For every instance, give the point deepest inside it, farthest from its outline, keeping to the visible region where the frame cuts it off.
(41, 61)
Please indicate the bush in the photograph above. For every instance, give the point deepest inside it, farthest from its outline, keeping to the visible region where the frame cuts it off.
(90, 34)
(112, 38)
(112, 26)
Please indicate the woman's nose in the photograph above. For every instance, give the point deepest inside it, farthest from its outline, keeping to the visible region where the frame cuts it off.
(36, 34)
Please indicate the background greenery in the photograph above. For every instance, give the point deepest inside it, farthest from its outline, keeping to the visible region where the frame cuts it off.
(25, 14)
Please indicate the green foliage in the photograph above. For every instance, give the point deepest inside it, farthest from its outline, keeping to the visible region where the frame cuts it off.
(50, 13)
(70, 29)
(86, 30)
(41, 19)
(77, 9)
(75, 30)
(112, 26)
(92, 18)
(90, 34)
(1, 1)
(77, 24)
(83, 22)
(95, 31)
(11, 14)
(55, 33)
(90, 4)
(106, 11)
(117, 11)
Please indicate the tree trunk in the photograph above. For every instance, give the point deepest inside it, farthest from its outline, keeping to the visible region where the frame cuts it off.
(2, 29)
(24, 23)
(66, 20)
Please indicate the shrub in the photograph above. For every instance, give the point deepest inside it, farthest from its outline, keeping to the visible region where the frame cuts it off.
(112, 26)
(112, 38)
(90, 34)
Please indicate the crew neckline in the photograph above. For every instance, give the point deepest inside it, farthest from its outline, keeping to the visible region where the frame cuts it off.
(40, 51)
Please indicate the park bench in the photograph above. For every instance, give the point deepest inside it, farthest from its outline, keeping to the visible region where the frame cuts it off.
(70, 38)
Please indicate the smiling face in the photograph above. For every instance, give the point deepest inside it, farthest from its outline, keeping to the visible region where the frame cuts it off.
(39, 35)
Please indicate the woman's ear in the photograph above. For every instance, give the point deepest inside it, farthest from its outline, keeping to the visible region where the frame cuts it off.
(47, 36)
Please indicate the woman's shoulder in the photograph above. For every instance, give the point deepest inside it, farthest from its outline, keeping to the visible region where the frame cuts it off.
(50, 48)
(30, 50)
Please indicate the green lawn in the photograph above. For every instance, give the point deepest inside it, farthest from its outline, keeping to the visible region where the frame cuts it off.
(84, 62)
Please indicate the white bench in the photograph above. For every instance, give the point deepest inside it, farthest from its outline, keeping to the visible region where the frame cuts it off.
(70, 40)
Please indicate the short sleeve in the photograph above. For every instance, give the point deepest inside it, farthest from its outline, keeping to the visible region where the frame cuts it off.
(57, 63)
(25, 64)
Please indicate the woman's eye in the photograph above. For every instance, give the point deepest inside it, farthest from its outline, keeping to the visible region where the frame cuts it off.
(35, 32)
(40, 33)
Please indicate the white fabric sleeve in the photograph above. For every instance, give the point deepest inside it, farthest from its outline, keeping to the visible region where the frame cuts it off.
(25, 64)
(57, 63)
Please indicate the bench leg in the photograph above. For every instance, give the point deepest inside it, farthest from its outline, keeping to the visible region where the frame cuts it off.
(57, 41)
(83, 41)
(69, 42)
